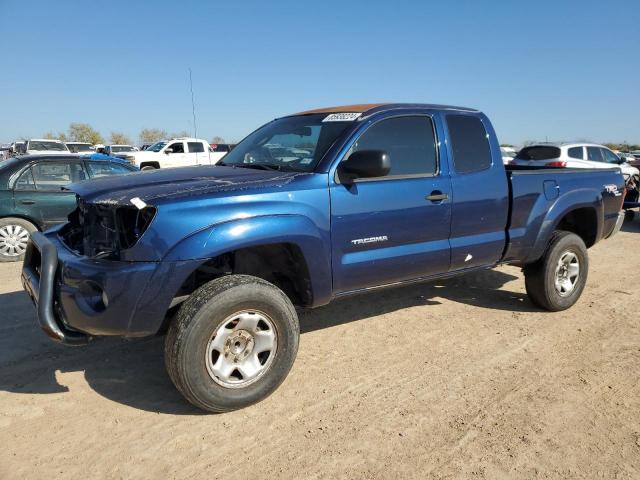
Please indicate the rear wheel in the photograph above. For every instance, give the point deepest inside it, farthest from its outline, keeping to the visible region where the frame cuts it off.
(232, 344)
(557, 280)
(14, 236)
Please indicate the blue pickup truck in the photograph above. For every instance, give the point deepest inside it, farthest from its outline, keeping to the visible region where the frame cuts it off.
(308, 208)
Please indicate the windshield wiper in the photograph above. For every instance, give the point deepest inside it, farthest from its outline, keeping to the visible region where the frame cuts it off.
(259, 166)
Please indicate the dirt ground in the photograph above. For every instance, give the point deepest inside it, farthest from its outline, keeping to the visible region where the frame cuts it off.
(459, 379)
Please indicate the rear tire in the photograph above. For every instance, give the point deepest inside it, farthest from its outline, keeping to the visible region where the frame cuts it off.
(14, 236)
(556, 281)
(232, 343)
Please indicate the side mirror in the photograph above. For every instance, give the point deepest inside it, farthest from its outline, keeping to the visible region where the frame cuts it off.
(167, 151)
(364, 164)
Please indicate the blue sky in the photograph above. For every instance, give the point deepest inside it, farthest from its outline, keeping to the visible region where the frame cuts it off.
(562, 70)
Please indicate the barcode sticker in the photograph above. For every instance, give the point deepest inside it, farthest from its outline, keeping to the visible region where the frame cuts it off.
(341, 117)
(138, 203)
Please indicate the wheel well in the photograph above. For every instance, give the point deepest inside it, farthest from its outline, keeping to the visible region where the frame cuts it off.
(583, 222)
(282, 264)
(150, 164)
(25, 218)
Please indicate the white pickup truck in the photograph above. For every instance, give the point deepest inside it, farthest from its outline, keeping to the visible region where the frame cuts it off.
(177, 152)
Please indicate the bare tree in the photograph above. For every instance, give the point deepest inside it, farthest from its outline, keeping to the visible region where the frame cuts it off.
(217, 139)
(183, 133)
(119, 138)
(83, 132)
(152, 135)
(59, 136)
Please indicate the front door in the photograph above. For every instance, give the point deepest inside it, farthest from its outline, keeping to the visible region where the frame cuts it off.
(178, 155)
(393, 228)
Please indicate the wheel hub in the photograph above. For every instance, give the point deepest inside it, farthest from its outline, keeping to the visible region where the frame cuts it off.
(567, 273)
(238, 345)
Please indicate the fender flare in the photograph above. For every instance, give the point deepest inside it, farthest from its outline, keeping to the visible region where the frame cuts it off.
(578, 199)
(215, 240)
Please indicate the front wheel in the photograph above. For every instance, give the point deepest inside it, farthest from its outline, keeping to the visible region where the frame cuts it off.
(14, 236)
(232, 344)
(556, 281)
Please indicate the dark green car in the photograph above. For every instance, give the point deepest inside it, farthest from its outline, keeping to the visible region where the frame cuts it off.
(32, 195)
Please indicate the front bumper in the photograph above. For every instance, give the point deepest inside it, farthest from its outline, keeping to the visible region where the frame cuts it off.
(78, 297)
(38, 282)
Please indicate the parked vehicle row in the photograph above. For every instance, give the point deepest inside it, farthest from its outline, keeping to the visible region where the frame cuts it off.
(308, 208)
(33, 195)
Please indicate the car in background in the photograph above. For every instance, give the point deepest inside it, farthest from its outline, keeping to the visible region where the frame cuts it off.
(41, 146)
(636, 158)
(16, 148)
(219, 150)
(5, 151)
(144, 146)
(120, 151)
(508, 154)
(32, 194)
(81, 147)
(177, 152)
(580, 155)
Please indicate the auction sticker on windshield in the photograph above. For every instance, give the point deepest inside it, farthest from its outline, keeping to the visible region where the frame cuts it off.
(341, 117)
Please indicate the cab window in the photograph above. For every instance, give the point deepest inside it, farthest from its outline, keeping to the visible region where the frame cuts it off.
(469, 143)
(195, 147)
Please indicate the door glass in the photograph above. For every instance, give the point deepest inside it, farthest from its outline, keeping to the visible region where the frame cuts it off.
(177, 147)
(610, 157)
(25, 182)
(409, 142)
(195, 147)
(594, 154)
(54, 175)
(469, 143)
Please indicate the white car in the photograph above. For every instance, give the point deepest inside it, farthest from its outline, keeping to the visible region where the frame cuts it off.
(40, 146)
(80, 147)
(574, 155)
(177, 152)
(508, 154)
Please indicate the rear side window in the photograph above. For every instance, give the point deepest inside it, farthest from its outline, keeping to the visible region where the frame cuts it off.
(540, 152)
(576, 152)
(469, 143)
(409, 141)
(195, 147)
(54, 175)
(594, 154)
(25, 181)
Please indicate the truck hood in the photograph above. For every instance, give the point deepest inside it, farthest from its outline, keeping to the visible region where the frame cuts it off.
(158, 186)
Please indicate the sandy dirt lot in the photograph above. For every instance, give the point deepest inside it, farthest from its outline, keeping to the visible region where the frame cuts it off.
(459, 379)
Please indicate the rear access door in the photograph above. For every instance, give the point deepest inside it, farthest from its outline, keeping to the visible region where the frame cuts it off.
(393, 228)
(480, 207)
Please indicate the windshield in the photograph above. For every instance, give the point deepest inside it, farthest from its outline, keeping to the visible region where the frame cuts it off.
(156, 147)
(80, 147)
(44, 145)
(289, 143)
(121, 148)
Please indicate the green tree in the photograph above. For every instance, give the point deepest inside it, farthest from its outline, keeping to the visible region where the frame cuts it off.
(152, 135)
(83, 132)
(119, 138)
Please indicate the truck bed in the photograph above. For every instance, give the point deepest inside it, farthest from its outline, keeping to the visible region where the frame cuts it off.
(539, 195)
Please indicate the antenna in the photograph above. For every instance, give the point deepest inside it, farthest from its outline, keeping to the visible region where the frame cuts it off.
(193, 106)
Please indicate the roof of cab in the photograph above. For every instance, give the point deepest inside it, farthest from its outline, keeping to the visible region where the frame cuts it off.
(377, 107)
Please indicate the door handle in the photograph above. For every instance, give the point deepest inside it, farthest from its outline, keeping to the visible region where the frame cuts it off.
(437, 196)
(27, 202)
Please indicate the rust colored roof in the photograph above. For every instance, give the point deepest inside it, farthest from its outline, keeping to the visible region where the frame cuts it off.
(359, 108)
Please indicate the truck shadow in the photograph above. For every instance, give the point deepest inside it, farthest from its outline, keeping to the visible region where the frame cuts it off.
(632, 225)
(132, 372)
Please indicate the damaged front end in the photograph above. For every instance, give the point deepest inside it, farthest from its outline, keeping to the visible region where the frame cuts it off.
(105, 230)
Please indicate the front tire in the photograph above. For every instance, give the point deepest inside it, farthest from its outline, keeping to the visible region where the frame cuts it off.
(232, 344)
(14, 236)
(556, 281)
